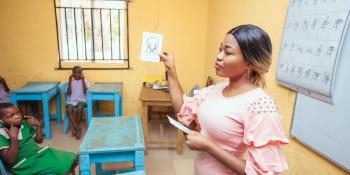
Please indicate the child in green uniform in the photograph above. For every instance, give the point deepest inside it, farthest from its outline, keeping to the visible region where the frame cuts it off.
(19, 136)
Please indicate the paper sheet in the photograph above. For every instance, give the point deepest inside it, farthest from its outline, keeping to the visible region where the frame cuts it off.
(151, 46)
(179, 125)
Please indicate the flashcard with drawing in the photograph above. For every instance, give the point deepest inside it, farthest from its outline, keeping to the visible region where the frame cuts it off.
(151, 46)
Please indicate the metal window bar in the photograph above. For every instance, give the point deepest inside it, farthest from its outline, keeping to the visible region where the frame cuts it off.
(93, 22)
(83, 16)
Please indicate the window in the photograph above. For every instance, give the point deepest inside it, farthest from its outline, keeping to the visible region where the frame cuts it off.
(92, 33)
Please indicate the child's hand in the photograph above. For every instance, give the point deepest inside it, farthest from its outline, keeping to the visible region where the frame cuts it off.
(70, 77)
(82, 77)
(12, 132)
(32, 121)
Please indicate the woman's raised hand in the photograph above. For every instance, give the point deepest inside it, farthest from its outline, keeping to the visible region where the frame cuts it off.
(168, 60)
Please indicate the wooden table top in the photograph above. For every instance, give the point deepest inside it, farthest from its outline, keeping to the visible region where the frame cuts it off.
(149, 94)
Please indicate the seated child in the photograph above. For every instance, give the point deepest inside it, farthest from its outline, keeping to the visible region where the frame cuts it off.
(4, 91)
(76, 100)
(19, 136)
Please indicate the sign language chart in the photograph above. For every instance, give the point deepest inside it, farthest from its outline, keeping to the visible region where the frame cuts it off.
(311, 44)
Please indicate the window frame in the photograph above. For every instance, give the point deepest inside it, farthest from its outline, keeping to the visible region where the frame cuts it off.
(95, 64)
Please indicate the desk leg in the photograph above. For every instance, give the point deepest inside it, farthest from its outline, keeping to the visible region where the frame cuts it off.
(120, 105)
(145, 122)
(89, 109)
(180, 137)
(45, 102)
(116, 105)
(98, 168)
(139, 160)
(58, 108)
(84, 164)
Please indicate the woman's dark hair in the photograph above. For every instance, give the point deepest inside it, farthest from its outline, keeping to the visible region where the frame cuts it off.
(255, 45)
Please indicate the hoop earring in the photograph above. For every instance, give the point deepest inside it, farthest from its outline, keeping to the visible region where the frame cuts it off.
(247, 74)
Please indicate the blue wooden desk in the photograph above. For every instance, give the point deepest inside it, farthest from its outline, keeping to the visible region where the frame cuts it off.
(43, 91)
(104, 91)
(112, 139)
(139, 172)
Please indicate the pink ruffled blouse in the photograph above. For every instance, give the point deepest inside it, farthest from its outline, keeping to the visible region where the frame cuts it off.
(247, 126)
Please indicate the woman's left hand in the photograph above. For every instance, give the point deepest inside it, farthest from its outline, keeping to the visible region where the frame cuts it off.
(196, 141)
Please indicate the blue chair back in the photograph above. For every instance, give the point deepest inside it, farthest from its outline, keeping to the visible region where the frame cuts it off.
(3, 170)
(63, 91)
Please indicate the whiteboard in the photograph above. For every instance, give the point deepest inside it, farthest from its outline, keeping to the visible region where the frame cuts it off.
(325, 127)
(310, 46)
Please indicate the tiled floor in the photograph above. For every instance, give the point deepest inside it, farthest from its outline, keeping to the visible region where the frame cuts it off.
(158, 161)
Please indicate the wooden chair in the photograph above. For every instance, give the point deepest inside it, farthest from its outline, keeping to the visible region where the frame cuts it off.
(161, 113)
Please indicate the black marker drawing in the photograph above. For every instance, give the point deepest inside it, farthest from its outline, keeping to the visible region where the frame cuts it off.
(315, 76)
(325, 23)
(300, 72)
(284, 47)
(326, 78)
(152, 46)
(292, 70)
(281, 65)
(286, 69)
(337, 23)
(291, 48)
(330, 50)
(305, 25)
(300, 49)
(309, 50)
(289, 25)
(300, 3)
(307, 74)
(319, 50)
(296, 25)
(314, 23)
